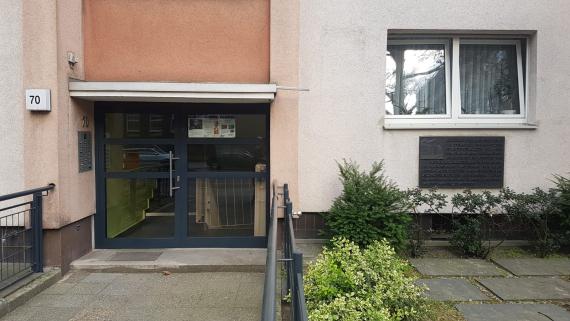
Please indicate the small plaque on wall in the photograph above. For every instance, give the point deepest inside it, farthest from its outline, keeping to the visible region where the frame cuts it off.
(462, 162)
(84, 151)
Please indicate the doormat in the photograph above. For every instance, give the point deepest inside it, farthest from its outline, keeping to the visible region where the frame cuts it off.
(135, 256)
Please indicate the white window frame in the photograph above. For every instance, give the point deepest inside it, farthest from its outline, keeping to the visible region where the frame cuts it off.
(521, 83)
(448, 106)
(454, 118)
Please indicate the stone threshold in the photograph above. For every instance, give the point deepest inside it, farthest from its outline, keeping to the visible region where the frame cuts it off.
(173, 260)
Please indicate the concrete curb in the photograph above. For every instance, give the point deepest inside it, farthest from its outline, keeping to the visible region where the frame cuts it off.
(28, 290)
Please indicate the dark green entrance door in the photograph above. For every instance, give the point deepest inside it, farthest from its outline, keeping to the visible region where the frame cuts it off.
(177, 175)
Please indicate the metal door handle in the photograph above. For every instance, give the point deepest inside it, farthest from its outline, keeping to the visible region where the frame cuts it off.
(172, 188)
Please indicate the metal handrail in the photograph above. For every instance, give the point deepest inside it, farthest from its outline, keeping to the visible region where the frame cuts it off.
(32, 191)
(293, 261)
(293, 264)
(268, 311)
(21, 231)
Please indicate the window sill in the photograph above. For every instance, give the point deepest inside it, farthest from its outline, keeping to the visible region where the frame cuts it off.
(400, 126)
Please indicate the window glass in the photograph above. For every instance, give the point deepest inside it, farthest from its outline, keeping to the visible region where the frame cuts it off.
(415, 79)
(489, 79)
(226, 157)
(138, 158)
(139, 125)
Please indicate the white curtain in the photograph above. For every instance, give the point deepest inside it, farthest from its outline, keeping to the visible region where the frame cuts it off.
(489, 79)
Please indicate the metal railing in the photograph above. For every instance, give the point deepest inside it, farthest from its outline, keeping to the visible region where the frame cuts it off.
(293, 263)
(21, 235)
(293, 260)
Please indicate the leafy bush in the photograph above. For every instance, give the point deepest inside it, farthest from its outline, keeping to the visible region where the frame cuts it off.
(422, 203)
(537, 210)
(370, 208)
(475, 219)
(563, 189)
(349, 283)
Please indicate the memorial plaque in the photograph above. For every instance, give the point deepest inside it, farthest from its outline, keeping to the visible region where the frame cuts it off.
(462, 162)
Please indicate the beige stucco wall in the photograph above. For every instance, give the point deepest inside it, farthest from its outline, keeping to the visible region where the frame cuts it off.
(284, 71)
(342, 61)
(51, 29)
(12, 98)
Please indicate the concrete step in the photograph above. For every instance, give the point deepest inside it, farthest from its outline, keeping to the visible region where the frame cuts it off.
(173, 260)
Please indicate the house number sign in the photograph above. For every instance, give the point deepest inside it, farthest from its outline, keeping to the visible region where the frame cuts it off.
(38, 99)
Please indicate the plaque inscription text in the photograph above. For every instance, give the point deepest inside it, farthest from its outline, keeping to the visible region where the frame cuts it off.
(462, 162)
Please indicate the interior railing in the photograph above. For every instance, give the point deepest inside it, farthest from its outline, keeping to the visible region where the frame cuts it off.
(293, 263)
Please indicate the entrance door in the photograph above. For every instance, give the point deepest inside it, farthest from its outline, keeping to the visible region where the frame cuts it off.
(172, 175)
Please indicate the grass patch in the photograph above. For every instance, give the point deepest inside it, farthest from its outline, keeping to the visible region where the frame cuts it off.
(443, 311)
(512, 253)
(522, 253)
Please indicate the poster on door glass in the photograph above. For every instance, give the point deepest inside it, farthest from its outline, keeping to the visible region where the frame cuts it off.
(211, 127)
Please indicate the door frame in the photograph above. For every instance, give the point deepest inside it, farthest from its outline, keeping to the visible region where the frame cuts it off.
(181, 238)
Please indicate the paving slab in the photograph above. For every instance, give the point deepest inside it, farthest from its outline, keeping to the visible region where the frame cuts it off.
(222, 296)
(536, 267)
(452, 290)
(531, 288)
(456, 267)
(513, 312)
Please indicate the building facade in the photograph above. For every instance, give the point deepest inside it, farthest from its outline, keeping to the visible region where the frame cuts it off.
(170, 120)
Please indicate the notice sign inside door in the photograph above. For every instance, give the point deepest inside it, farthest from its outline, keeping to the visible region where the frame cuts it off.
(211, 127)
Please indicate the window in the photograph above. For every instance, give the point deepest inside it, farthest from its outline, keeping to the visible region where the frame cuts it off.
(417, 76)
(458, 80)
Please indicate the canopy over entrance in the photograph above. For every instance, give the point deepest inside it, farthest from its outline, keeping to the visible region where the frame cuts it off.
(172, 92)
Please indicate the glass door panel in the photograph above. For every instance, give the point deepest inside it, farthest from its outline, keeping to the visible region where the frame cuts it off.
(139, 125)
(139, 169)
(139, 208)
(226, 206)
(138, 158)
(226, 157)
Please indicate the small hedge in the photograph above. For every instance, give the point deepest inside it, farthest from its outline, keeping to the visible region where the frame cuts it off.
(353, 284)
(370, 208)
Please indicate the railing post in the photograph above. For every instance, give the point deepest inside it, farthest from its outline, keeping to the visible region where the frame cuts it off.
(288, 242)
(297, 269)
(286, 192)
(37, 231)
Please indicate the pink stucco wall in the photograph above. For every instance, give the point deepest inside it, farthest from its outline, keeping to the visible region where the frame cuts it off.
(174, 40)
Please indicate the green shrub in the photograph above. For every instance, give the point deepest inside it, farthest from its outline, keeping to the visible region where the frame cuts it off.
(536, 210)
(422, 203)
(467, 236)
(349, 283)
(370, 208)
(476, 217)
(563, 189)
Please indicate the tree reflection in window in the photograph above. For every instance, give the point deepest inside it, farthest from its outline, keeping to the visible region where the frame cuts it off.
(415, 79)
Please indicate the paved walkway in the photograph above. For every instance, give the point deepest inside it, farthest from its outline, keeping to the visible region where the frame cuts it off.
(502, 290)
(90, 296)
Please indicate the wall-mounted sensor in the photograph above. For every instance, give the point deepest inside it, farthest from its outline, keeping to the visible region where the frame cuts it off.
(72, 59)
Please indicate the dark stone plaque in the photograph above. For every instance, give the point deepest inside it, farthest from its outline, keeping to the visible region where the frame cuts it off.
(462, 162)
